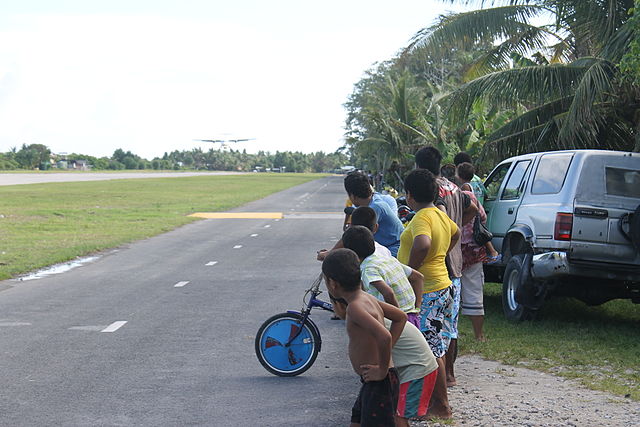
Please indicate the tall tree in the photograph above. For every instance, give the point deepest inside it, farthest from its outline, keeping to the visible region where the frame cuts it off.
(33, 156)
(568, 88)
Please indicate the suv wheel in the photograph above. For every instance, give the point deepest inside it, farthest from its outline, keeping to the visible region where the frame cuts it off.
(634, 228)
(516, 281)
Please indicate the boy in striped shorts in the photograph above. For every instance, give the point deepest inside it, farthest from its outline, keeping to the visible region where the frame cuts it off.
(417, 371)
(416, 365)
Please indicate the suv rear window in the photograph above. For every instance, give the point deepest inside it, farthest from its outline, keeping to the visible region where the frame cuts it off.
(623, 182)
(551, 172)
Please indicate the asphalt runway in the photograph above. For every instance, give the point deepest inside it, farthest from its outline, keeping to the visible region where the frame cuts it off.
(161, 332)
(40, 178)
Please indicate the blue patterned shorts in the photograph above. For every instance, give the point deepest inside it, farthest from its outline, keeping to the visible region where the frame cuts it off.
(450, 328)
(434, 307)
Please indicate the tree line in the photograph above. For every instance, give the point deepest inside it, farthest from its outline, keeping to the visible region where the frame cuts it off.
(512, 77)
(39, 156)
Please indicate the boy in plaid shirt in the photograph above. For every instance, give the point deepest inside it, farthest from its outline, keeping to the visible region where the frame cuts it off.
(383, 277)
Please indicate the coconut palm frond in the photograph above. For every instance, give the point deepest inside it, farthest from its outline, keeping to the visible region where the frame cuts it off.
(499, 57)
(478, 26)
(561, 52)
(619, 43)
(600, 20)
(528, 140)
(531, 119)
(529, 85)
(428, 135)
(583, 121)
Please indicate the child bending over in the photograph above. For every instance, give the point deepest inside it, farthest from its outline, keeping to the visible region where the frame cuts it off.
(369, 341)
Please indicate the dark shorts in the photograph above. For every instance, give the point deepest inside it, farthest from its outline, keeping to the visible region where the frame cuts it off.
(377, 402)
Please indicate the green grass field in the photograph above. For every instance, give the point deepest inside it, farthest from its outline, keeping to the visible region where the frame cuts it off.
(599, 346)
(44, 224)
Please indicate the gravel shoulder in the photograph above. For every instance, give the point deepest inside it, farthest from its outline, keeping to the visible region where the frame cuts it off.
(492, 394)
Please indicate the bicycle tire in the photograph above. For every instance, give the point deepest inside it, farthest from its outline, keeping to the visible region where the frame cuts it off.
(286, 361)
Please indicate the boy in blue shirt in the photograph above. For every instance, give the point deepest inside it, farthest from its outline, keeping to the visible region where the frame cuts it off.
(389, 225)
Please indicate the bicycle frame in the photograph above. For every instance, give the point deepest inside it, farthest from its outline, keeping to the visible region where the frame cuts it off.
(313, 302)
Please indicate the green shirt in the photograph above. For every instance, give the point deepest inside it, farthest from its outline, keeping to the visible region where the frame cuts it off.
(411, 354)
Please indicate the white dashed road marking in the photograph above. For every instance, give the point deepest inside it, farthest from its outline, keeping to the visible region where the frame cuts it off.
(180, 284)
(267, 226)
(87, 328)
(237, 246)
(114, 326)
(254, 235)
(14, 324)
(211, 263)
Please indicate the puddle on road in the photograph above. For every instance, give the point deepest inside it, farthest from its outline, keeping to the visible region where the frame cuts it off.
(57, 269)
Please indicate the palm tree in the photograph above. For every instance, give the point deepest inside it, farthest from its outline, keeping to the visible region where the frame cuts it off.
(569, 90)
(386, 119)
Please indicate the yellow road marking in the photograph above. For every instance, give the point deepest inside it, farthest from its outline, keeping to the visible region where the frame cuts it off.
(313, 213)
(238, 215)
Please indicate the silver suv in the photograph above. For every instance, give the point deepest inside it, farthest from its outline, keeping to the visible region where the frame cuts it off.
(567, 223)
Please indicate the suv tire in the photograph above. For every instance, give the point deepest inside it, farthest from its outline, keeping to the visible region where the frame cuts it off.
(517, 280)
(634, 228)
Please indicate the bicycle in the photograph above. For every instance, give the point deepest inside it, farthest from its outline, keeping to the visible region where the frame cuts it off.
(287, 344)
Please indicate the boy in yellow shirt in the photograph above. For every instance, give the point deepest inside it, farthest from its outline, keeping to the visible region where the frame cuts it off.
(424, 245)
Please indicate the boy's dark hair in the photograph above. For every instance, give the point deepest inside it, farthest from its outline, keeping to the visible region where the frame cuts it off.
(366, 216)
(462, 157)
(466, 171)
(343, 266)
(429, 158)
(360, 240)
(448, 171)
(422, 185)
(357, 184)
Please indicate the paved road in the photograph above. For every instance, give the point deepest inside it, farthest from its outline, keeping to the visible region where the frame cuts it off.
(39, 178)
(185, 355)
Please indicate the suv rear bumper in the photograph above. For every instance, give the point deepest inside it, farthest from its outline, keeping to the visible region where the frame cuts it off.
(557, 263)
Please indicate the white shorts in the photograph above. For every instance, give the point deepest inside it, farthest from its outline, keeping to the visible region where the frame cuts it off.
(471, 293)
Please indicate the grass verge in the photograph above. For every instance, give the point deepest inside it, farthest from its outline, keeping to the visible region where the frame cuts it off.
(44, 224)
(599, 346)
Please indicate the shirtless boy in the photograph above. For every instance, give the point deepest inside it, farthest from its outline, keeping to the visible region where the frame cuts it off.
(369, 341)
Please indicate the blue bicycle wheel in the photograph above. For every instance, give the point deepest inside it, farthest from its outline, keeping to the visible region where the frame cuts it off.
(280, 357)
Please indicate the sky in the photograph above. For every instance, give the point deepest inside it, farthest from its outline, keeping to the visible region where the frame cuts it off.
(150, 76)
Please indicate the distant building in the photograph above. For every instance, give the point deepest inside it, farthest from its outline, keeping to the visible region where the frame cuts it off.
(79, 165)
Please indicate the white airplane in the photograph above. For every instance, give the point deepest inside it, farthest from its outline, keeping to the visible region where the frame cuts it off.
(223, 142)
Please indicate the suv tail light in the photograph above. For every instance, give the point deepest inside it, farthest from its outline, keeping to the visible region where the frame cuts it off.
(562, 229)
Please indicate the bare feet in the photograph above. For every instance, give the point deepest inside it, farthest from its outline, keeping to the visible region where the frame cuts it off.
(441, 412)
(451, 381)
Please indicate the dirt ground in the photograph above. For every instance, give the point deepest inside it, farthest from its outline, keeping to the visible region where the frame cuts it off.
(491, 394)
